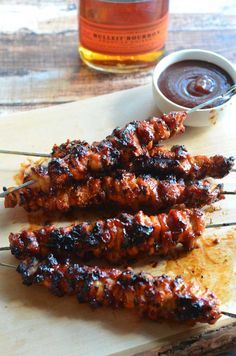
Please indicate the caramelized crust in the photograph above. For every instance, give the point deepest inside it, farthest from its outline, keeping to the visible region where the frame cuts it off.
(152, 297)
(179, 162)
(125, 191)
(114, 239)
(159, 161)
(77, 160)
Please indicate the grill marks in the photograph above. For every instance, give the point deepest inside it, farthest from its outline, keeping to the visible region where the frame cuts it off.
(179, 162)
(152, 297)
(116, 239)
(125, 191)
(78, 159)
(158, 161)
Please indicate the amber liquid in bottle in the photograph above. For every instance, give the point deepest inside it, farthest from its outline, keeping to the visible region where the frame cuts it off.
(122, 35)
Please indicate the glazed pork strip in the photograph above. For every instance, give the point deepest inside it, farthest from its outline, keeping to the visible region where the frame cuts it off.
(78, 160)
(160, 161)
(153, 297)
(126, 190)
(116, 239)
(177, 161)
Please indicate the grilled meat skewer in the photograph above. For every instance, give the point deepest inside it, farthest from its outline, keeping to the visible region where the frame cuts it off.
(179, 162)
(152, 297)
(126, 190)
(114, 239)
(78, 159)
(159, 161)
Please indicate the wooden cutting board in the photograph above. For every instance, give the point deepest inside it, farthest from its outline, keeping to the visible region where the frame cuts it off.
(33, 322)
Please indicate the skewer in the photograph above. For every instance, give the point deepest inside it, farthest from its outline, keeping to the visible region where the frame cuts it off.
(227, 95)
(119, 246)
(6, 192)
(7, 265)
(8, 248)
(220, 225)
(231, 315)
(23, 153)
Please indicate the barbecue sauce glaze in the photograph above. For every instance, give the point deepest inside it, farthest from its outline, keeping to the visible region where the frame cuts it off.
(192, 82)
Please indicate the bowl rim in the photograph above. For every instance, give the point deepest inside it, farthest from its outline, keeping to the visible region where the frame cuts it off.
(187, 52)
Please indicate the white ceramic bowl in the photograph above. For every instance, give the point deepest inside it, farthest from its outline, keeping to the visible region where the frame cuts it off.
(202, 117)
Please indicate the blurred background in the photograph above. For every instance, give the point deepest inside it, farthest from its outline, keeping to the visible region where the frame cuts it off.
(39, 61)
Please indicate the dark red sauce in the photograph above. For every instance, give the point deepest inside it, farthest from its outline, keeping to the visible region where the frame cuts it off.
(192, 82)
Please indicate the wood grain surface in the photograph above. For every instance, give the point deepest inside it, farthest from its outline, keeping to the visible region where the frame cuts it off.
(39, 62)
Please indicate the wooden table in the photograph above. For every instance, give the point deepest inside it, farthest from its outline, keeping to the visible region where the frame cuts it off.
(39, 62)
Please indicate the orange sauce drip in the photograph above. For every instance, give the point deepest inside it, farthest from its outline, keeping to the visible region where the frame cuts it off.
(211, 265)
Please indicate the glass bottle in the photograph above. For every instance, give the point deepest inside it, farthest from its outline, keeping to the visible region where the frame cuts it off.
(122, 35)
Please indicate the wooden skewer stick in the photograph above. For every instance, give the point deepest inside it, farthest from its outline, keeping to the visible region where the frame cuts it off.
(220, 225)
(23, 153)
(6, 192)
(7, 265)
(231, 315)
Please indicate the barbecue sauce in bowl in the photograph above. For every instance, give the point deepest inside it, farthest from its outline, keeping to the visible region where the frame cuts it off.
(192, 82)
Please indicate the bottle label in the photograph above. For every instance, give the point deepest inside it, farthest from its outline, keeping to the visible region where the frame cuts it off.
(124, 1)
(123, 40)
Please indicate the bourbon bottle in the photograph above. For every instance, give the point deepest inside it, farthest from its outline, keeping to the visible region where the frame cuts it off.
(122, 35)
